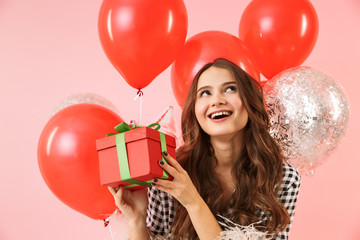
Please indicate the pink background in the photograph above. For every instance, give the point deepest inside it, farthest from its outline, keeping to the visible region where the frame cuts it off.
(50, 50)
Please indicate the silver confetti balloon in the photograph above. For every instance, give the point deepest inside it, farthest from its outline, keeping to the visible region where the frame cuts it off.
(309, 112)
(85, 98)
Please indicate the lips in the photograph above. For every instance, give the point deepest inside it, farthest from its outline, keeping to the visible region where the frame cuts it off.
(219, 114)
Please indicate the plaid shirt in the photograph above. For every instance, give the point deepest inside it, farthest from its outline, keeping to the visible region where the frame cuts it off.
(160, 212)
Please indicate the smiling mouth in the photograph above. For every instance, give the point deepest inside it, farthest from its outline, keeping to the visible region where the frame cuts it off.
(219, 115)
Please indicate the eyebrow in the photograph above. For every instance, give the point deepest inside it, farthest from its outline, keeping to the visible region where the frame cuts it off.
(224, 84)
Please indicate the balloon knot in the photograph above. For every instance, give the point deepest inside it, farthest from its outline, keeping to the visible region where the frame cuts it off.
(106, 222)
(140, 93)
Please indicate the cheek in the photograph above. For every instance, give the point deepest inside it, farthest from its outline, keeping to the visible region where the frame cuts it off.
(199, 111)
(241, 109)
(244, 116)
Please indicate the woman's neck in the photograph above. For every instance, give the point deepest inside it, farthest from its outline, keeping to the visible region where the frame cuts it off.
(227, 149)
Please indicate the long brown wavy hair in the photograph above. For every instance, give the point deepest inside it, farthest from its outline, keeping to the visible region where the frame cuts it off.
(257, 172)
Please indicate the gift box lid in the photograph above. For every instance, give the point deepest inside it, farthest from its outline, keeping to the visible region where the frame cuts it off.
(135, 135)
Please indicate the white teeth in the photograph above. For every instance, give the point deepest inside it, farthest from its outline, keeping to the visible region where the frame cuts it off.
(219, 114)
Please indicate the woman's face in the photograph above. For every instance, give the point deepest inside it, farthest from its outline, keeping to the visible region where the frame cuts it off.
(218, 107)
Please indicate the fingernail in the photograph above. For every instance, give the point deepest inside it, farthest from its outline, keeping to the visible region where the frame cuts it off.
(155, 180)
(161, 162)
(153, 184)
(165, 153)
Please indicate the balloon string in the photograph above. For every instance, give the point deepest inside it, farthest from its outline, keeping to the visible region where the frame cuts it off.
(111, 233)
(106, 224)
(139, 95)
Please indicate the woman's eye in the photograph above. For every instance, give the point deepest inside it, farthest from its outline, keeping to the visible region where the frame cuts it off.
(205, 93)
(230, 88)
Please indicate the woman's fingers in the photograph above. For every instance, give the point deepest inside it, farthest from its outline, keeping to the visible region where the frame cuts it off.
(163, 185)
(172, 162)
(168, 168)
(112, 190)
(117, 193)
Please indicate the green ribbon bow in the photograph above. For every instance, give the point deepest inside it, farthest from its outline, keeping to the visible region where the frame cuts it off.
(122, 154)
(124, 127)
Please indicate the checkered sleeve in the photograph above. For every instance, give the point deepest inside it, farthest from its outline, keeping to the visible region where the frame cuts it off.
(287, 195)
(160, 211)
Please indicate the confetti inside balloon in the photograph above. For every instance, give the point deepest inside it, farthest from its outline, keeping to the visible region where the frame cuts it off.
(308, 111)
(167, 121)
(85, 97)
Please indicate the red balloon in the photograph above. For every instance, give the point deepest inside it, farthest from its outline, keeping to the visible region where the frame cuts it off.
(68, 159)
(281, 34)
(204, 48)
(142, 37)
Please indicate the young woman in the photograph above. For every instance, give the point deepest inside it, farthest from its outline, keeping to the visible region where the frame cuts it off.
(229, 166)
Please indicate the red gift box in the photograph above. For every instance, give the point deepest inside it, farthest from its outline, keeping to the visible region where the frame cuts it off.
(139, 154)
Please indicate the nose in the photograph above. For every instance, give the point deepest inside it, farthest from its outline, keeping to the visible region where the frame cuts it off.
(217, 99)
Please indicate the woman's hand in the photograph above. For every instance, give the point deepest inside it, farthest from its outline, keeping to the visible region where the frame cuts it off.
(181, 187)
(132, 204)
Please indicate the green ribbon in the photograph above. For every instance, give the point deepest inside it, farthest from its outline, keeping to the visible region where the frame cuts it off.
(122, 154)
(124, 127)
(124, 163)
(163, 149)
